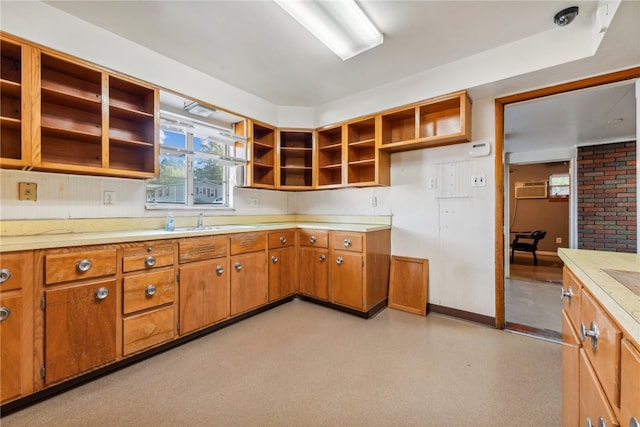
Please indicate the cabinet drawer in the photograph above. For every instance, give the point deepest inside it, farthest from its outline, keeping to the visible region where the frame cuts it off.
(79, 265)
(603, 352)
(346, 241)
(15, 270)
(248, 242)
(629, 383)
(147, 255)
(593, 401)
(202, 248)
(572, 292)
(570, 373)
(316, 238)
(147, 290)
(281, 239)
(148, 329)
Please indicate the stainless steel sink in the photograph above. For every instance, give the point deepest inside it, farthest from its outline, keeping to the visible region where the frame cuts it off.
(214, 227)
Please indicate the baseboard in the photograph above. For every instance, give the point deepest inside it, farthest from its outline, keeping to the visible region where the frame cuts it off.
(464, 315)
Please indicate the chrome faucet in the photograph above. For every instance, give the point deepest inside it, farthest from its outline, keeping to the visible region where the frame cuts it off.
(200, 219)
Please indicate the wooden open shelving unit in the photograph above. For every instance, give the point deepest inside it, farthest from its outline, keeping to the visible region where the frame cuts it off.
(74, 117)
(262, 164)
(439, 121)
(330, 157)
(296, 159)
(366, 165)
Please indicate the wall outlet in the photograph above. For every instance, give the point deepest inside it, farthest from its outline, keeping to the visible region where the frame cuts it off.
(558, 239)
(478, 181)
(433, 183)
(109, 198)
(253, 202)
(28, 191)
(374, 201)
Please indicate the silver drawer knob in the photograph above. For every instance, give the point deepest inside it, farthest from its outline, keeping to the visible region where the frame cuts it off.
(568, 293)
(312, 239)
(274, 259)
(5, 274)
(219, 269)
(102, 293)
(150, 261)
(347, 243)
(238, 266)
(339, 260)
(322, 257)
(633, 422)
(283, 240)
(4, 313)
(83, 265)
(150, 291)
(593, 333)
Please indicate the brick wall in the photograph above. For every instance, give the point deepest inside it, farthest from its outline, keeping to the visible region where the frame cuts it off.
(607, 205)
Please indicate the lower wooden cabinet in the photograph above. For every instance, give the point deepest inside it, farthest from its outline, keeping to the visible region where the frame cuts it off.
(204, 294)
(147, 329)
(313, 273)
(629, 385)
(248, 282)
(347, 280)
(570, 374)
(282, 261)
(80, 328)
(594, 406)
(11, 342)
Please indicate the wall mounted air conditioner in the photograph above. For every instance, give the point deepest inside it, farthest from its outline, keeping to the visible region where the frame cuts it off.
(531, 190)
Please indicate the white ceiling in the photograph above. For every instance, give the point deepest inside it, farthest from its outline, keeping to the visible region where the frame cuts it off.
(257, 47)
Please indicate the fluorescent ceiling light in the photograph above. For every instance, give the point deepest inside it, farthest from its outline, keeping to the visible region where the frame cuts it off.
(341, 25)
(200, 110)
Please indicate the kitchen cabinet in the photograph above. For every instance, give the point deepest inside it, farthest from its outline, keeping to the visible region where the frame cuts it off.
(81, 294)
(204, 282)
(570, 374)
(366, 164)
(329, 154)
(248, 275)
(359, 269)
(261, 166)
(282, 262)
(296, 159)
(148, 295)
(438, 121)
(64, 115)
(313, 275)
(16, 325)
(629, 384)
(17, 92)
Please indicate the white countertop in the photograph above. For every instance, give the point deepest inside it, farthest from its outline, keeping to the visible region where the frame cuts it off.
(45, 241)
(621, 303)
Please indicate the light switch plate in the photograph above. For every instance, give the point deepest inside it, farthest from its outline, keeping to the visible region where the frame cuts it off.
(28, 191)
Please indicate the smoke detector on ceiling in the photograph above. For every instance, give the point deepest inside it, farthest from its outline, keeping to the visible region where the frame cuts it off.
(565, 16)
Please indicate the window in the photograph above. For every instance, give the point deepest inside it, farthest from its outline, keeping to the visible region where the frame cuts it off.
(559, 186)
(199, 162)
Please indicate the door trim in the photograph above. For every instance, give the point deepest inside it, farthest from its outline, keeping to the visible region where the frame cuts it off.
(500, 103)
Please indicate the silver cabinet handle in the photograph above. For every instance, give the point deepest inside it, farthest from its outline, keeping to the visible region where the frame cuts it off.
(274, 259)
(633, 422)
(312, 239)
(601, 422)
(149, 248)
(347, 243)
(102, 293)
(322, 257)
(219, 269)
(568, 293)
(5, 274)
(339, 260)
(283, 240)
(150, 291)
(83, 265)
(593, 332)
(150, 261)
(4, 313)
(588, 423)
(238, 266)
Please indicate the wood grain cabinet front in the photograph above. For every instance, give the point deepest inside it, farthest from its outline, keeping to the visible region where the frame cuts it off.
(16, 325)
(248, 272)
(80, 292)
(204, 282)
(282, 262)
(313, 272)
(629, 385)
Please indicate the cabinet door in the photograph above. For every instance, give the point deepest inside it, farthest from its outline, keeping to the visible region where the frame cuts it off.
(282, 273)
(570, 374)
(248, 282)
(593, 401)
(314, 272)
(629, 383)
(346, 279)
(204, 294)
(80, 329)
(10, 347)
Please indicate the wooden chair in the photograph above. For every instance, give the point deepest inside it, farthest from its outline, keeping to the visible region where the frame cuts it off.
(530, 245)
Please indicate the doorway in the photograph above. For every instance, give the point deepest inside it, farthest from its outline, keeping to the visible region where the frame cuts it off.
(503, 159)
